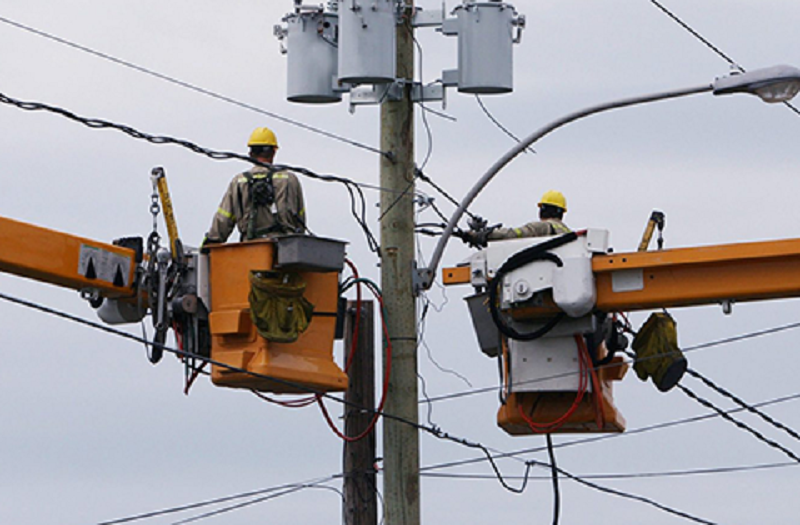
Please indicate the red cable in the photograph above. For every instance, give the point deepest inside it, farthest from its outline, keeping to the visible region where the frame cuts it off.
(543, 428)
(387, 374)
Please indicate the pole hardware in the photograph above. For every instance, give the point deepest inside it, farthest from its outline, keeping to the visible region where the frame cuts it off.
(350, 46)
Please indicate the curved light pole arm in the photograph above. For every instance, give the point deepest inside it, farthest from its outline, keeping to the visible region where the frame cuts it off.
(427, 275)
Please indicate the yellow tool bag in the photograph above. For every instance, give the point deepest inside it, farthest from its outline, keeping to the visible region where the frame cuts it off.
(657, 352)
(277, 306)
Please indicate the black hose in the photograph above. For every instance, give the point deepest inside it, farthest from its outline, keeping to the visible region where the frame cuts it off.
(534, 253)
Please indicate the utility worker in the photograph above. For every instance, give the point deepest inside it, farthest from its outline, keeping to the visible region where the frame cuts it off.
(260, 204)
(552, 207)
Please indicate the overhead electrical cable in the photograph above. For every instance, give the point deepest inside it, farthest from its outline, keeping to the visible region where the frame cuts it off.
(192, 87)
(693, 348)
(740, 424)
(216, 501)
(769, 419)
(708, 44)
(629, 476)
(357, 199)
(433, 431)
(255, 501)
(499, 125)
(603, 437)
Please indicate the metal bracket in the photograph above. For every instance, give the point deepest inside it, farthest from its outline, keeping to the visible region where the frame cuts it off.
(421, 279)
(370, 95)
(428, 18)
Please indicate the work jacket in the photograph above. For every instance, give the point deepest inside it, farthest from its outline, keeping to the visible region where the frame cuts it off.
(542, 228)
(286, 214)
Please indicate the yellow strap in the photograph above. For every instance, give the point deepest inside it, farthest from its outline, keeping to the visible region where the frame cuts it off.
(281, 175)
(518, 232)
(225, 213)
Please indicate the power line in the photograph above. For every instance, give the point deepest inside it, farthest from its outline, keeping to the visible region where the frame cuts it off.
(769, 419)
(499, 125)
(630, 476)
(216, 501)
(604, 437)
(747, 428)
(192, 87)
(255, 501)
(433, 431)
(357, 200)
(708, 44)
(693, 348)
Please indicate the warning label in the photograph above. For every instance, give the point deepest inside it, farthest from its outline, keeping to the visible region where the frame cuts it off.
(102, 265)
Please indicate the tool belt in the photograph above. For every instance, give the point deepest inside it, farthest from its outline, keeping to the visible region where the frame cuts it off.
(277, 306)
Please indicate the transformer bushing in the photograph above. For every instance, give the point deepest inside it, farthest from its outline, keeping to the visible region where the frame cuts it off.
(312, 40)
(367, 41)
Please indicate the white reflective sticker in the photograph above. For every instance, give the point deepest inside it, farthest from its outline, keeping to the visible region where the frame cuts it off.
(103, 265)
(627, 281)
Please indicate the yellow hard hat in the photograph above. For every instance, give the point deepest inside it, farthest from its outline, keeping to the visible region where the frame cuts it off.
(263, 137)
(554, 198)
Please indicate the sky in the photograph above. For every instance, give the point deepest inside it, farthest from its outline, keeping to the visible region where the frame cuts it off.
(92, 432)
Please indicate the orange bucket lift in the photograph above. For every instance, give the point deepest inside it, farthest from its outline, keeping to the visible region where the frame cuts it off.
(303, 366)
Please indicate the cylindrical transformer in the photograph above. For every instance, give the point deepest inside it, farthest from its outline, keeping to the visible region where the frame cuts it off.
(485, 37)
(367, 41)
(312, 39)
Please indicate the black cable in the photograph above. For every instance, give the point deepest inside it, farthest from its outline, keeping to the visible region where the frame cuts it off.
(701, 346)
(214, 501)
(262, 499)
(636, 476)
(423, 177)
(192, 87)
(603, 437)
(435, 432)
(747, 428)
(711, 46)
(769, 419)
(499, 125)
(556, 493)
(534, 253)
(424, 114)
(357, 199)
(635, 497)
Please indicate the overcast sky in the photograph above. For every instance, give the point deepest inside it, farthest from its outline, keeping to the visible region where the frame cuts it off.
(92, 432)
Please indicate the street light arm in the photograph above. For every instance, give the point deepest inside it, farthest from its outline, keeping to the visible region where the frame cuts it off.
(427, 275)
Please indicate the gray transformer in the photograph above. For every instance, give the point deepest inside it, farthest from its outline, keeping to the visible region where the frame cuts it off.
(312, 40)
(485, 36)
(367, 41)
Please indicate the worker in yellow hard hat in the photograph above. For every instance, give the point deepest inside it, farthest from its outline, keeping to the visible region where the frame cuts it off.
(552, 207)
(260, 203)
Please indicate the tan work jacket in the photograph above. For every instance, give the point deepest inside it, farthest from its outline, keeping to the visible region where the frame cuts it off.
(532, 229)
(286, 215)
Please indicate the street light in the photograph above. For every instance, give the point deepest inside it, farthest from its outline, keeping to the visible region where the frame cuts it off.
(772, 84)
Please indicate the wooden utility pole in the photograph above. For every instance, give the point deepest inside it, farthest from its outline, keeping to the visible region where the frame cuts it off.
(400, 440)
(360, 501)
